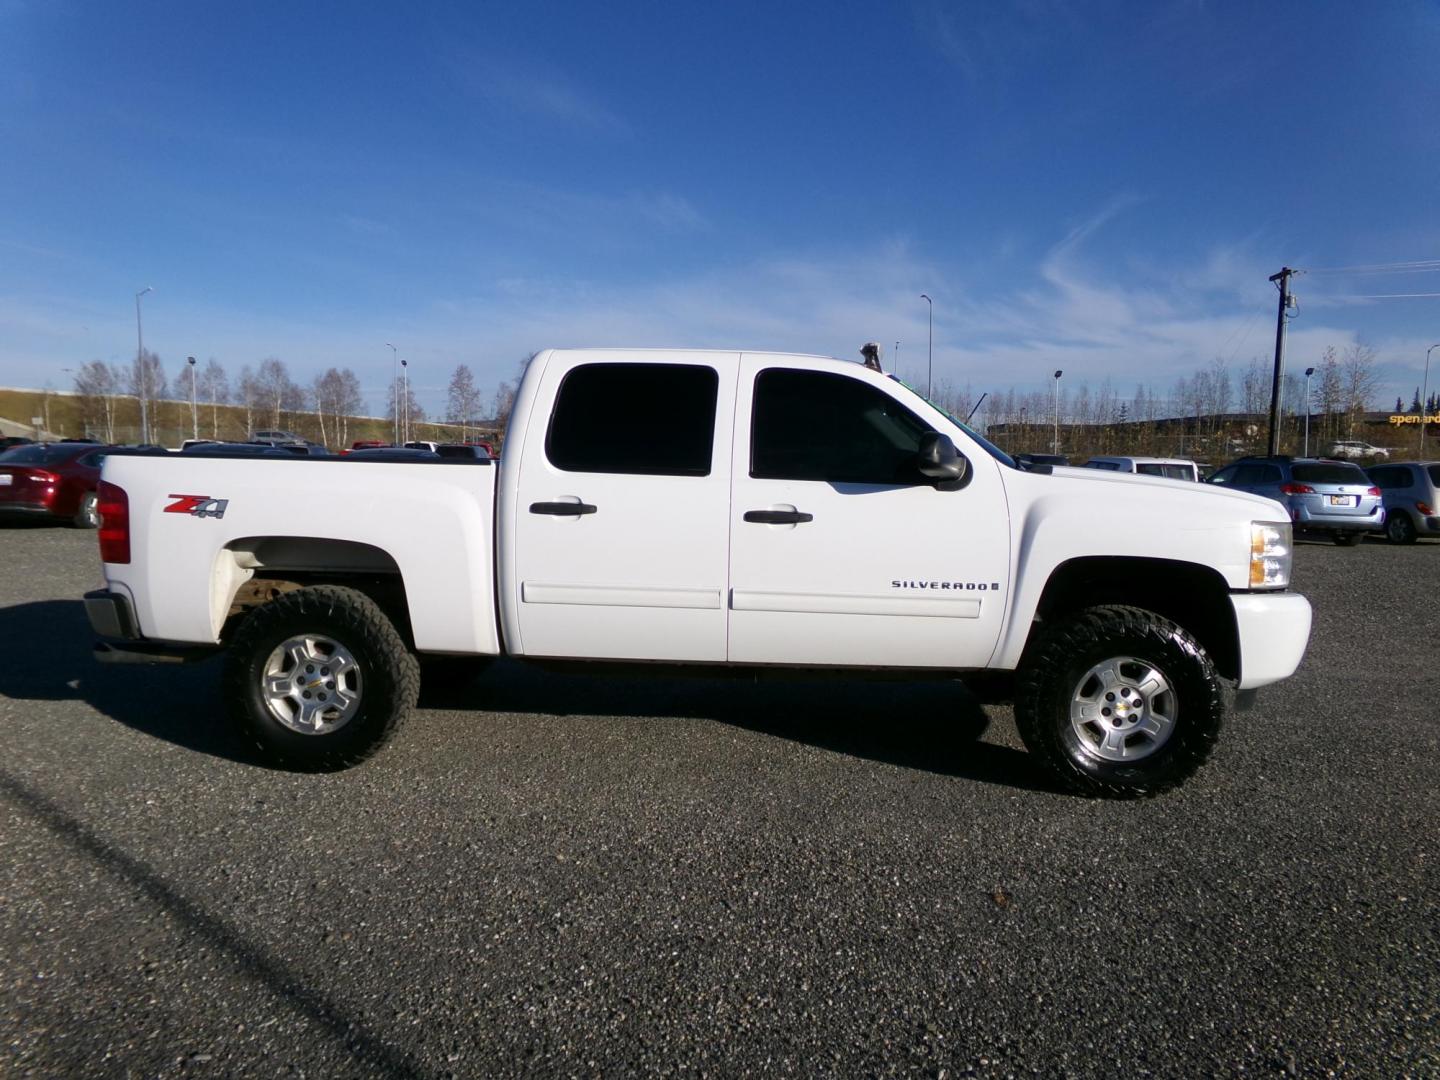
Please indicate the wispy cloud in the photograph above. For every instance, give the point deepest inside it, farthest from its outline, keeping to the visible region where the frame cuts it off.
(1141, 328)
(536, 92)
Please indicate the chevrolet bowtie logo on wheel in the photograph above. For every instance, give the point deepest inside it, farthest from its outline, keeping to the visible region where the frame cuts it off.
(200, 506)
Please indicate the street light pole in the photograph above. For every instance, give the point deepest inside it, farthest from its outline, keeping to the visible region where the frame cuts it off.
(405, 390)
(930, 362)
(1425, 398)
(395, 390)
(1308, 372)
(194, 416)
(1055, 447)
(141, 382)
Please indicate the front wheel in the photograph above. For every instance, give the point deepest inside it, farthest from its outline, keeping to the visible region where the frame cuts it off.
(319, 679)
(1119, 702)
(1400, 529)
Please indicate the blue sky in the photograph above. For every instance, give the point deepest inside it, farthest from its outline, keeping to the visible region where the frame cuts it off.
(1102, 187)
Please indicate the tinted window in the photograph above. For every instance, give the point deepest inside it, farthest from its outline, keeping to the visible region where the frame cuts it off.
(656, 419)
(1168, 471)
(816, 425)
(1434, 471)
(1109, 466)
(1224, 476)
(1329, 474)
(41, 454)
(1390, 477)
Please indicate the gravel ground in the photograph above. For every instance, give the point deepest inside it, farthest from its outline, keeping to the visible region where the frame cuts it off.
(564, 875)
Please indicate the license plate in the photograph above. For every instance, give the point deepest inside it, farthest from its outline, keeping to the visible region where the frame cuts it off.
(6, 479)
(1343, 500)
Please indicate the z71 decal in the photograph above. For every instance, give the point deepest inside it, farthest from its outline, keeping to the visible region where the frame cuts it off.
(200, 506)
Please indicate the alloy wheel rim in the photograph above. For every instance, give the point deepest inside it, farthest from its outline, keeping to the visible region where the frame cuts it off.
(311, 684)
(1123, 710)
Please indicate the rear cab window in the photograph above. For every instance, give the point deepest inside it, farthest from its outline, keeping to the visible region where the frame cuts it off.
(1329, 473)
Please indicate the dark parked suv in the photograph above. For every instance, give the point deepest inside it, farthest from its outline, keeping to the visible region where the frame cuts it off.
(1411, 490)
(1335, 497)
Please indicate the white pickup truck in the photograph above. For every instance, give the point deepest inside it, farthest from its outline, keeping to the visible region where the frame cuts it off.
(709, 508)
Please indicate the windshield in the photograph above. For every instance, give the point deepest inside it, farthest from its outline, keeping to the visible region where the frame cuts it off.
(985, 444)
(1329, 474)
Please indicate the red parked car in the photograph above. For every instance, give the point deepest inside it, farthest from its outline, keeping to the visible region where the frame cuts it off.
(52, 480)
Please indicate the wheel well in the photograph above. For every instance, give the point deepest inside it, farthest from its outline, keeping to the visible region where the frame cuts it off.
(1193, 596)
(262, 568)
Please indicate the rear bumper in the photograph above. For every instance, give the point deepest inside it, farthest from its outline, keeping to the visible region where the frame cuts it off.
(25, 510)
(113, 620)
(1274, 629)
(1305, 518)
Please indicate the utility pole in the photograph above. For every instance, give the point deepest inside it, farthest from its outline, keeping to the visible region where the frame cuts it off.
(1281, 282)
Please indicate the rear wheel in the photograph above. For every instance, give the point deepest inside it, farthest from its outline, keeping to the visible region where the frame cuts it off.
(1400, 529)
(1347, 539)
(1119, 702)
(319, 679)
(88, 515)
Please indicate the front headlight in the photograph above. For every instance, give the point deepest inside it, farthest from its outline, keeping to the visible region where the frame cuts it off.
(1270, 548)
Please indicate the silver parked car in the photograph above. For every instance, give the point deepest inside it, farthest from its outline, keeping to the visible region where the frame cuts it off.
(1411, 491)
(1335, 497)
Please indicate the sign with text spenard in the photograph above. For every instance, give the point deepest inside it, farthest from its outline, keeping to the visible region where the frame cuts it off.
(1405, 418)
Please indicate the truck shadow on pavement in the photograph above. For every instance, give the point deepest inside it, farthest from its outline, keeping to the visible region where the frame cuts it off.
(933, 725)
(49, 659)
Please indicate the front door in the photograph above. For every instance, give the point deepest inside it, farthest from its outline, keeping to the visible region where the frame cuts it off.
(841, 552)
(621, 510)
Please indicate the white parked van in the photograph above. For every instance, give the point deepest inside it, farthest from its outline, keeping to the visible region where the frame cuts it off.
(1171, 468)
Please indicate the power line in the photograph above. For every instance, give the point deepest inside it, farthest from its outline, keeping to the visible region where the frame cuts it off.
(1419, 266)
(1391, 296)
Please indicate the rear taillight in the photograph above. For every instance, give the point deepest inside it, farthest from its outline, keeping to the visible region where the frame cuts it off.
(40, 476)
(114, 506)
(1372, 491)
(1424, 508)
(1296, 489)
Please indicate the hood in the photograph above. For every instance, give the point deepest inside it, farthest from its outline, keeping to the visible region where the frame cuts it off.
(1154, 492)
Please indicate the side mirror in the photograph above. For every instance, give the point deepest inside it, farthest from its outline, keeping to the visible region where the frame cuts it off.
(939, 460)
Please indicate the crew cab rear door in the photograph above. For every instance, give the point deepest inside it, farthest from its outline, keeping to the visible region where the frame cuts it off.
(841, 553)
(621, 522)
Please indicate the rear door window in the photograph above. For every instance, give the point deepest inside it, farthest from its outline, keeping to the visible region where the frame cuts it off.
(650, 419)
(1388, 477)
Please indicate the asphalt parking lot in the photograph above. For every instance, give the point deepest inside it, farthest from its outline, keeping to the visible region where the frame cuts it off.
(564, 875)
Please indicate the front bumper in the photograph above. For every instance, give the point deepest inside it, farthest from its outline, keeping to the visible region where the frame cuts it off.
(1273, 629)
